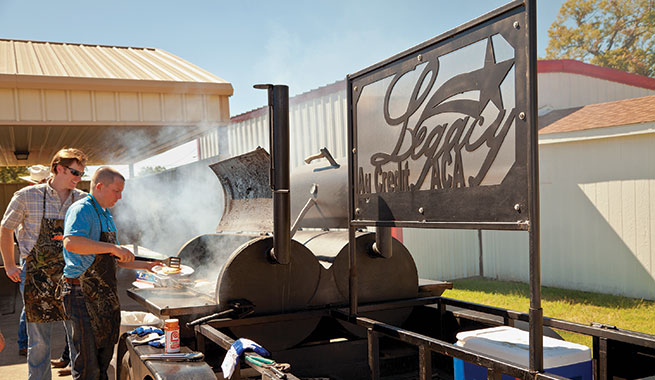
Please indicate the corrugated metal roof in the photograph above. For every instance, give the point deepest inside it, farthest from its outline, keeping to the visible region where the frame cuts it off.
(64, 60)
(119, 104)
(603, 115)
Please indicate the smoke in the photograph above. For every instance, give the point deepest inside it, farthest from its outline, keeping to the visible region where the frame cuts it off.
(127, 145)
(163, 211)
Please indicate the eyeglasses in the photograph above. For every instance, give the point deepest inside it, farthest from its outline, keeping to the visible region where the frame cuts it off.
(74, 172)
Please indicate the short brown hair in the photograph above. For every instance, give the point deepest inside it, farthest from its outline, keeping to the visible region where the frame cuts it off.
(106, 175)
(65, 157)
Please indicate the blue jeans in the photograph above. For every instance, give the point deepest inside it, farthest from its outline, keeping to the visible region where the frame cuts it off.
(22, 326)
(66, 354)
(38, 351)
(89, 361)
(22, 331)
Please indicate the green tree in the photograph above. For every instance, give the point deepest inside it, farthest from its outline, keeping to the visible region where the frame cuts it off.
(10, 174)
(610, 33)
(147, 170)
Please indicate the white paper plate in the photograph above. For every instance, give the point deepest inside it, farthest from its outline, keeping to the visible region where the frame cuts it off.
(186, 270)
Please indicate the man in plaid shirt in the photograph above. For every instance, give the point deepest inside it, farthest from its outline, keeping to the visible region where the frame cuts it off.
(36, 214)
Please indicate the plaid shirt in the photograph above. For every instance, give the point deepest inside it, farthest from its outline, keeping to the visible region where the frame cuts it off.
(25, 211)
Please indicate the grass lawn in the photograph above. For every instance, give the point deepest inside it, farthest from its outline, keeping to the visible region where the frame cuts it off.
(571, 305)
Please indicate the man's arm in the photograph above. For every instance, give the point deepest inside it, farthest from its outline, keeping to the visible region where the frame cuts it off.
(85, 246)
(7, 250)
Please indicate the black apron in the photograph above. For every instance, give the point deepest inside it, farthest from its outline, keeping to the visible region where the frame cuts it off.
(44, 267)
(99, 287)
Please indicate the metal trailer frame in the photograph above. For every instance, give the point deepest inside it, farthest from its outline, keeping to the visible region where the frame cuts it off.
(607, 340)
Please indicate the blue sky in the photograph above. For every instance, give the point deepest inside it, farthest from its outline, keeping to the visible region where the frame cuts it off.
(304, 44)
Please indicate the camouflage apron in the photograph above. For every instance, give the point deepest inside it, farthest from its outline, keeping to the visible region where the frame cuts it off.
(99, 287)
(44, 267)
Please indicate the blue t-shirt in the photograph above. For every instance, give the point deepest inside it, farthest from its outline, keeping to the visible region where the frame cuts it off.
(87, 219)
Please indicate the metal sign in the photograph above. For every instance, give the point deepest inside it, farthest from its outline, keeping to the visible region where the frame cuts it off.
(439, 134)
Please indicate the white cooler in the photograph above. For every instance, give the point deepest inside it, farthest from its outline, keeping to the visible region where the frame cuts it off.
(561, 358)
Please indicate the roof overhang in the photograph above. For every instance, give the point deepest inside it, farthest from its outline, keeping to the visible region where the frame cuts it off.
(118, 105)
(598, 133)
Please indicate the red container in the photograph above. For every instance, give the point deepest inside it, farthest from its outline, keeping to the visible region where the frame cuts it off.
(172, 331)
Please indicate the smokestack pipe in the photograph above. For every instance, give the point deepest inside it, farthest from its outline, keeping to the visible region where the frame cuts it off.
(383, 242)
(278, 116)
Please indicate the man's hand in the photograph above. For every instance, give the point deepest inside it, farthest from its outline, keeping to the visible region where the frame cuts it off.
(123, 254)
(7, 251)
(13, 272)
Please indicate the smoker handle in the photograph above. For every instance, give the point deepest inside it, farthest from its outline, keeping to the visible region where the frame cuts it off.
(310, 203)
(325, 153)
(207, 318)
(239, 308)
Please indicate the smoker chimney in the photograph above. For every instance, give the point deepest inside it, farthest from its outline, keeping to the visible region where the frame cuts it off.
(278, 116)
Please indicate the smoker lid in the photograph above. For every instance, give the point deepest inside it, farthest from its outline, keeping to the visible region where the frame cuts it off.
(248, 195)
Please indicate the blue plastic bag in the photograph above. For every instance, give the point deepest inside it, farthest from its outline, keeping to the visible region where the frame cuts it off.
(159, 343)
(144, 330)
(238, 347)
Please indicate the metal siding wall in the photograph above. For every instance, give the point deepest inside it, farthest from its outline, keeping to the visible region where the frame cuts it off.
(338, 101)
(246, 135)
(506, 256)
(443, 254)
(597, 229)
(564, 90)
(316, 123)
(294, 123)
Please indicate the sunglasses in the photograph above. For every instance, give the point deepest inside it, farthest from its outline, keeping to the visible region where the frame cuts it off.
(74, 172)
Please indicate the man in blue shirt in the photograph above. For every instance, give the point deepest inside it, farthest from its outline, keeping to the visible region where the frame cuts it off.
(91, 251)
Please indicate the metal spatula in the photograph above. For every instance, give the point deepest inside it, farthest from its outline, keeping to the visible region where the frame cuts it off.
(177, 357)
(172, 262)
